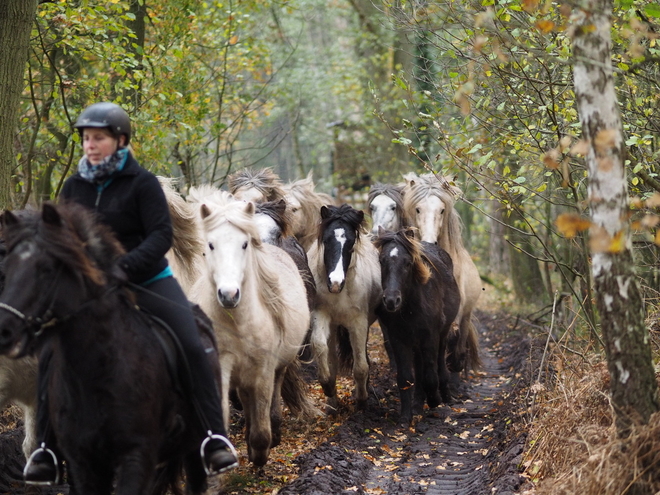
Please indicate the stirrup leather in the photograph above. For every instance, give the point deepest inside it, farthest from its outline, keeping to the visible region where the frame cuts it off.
(30, 460)
(225, 440)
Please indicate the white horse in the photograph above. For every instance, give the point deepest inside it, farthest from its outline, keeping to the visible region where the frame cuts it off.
(429, 203)
(385, 205)
(347, 274)
(252, 293)
(18, 385)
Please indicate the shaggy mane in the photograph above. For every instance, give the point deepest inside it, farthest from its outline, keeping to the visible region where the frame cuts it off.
(264, 180)
(412, 246)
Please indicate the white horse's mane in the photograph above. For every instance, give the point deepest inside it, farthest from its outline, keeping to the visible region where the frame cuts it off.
(450, 236)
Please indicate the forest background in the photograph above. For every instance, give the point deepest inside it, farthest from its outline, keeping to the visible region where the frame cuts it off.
(354, 92)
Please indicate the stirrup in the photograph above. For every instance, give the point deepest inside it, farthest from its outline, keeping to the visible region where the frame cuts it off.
(30, 460)
(230, 447)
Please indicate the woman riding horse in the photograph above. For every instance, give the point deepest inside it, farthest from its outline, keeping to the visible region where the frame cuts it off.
(130, 201)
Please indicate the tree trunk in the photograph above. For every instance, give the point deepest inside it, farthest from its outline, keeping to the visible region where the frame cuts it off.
(618, 299)
(16, 18)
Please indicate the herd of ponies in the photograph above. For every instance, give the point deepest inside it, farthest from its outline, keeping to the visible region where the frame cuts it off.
(288, 277)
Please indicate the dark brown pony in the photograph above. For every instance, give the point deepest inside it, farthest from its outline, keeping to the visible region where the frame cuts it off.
(420, 302)
(116, 412)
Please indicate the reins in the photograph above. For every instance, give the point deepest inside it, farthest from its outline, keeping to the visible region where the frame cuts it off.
(41, 323)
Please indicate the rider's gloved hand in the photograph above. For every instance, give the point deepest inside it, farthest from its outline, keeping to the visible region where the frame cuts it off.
(118, 273)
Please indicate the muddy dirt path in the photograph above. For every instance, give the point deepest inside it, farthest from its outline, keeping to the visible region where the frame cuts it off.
(460, 449)
(466, 448)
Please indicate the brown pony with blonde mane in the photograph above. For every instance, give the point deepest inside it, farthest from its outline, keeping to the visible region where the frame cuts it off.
(420, 301)
(429, 203)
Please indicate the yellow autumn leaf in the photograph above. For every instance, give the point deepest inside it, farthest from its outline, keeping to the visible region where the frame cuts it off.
(530, 6)
(545, 26)
(569, 224)
(233, 40)
(550, 159)
(657, 237)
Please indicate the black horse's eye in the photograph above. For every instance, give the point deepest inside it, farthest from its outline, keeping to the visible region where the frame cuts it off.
(211, 246)
(245, 245)
(392, 207)
(417, 210)
(442, 212)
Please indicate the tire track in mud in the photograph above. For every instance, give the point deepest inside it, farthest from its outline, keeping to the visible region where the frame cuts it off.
(448, 451)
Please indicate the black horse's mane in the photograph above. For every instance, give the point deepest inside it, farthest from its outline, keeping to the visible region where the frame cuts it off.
(78, 239)
(413, 247)
(278, 212)
(346, 213)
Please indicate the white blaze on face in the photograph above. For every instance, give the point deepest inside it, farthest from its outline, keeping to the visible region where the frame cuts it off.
(336, 276)
(27, 251)
(394, 252)
(430, 218)
(383, 214)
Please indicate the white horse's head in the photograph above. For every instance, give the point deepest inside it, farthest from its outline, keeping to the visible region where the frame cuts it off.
(429, 216)
(383, 211)
(230, 234)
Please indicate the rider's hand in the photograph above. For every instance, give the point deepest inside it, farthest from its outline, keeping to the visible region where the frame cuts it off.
(117, 272)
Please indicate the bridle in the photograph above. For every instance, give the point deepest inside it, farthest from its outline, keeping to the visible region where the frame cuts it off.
(36, 325)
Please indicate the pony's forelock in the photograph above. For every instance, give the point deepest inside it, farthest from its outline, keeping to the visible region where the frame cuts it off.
(421, 262)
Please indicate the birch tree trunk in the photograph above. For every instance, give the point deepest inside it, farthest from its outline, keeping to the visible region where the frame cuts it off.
(16, 18)
(618, 299)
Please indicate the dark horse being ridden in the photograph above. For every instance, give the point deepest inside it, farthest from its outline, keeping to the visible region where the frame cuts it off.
(115, 407)
(420, 302)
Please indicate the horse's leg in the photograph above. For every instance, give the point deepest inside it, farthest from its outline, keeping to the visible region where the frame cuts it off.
(226, 366)
(426, 370)
(405, 378)
(195, 475)
(84, 479)
(323, 346)
(443, 373)
(276, 409)
(135, 475)
(358, 333)
(257, 416)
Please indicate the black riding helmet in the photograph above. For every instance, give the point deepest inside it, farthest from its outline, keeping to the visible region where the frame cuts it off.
(106, 115)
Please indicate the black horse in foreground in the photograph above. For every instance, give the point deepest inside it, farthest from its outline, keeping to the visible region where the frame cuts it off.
(420, 302)
(117, 412)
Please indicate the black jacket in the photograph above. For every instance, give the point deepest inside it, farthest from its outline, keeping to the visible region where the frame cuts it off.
(133, 205)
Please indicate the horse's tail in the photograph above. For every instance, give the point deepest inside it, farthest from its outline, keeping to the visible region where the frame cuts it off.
(473, 359)
(294, 392)
(344, 351)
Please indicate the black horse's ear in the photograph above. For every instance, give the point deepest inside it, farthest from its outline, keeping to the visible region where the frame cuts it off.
(410, 233)
(8, 219)
(50, 215)
(205, 211)
(381, 231)
(360, 214)
(280, 206)
(325, 212)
